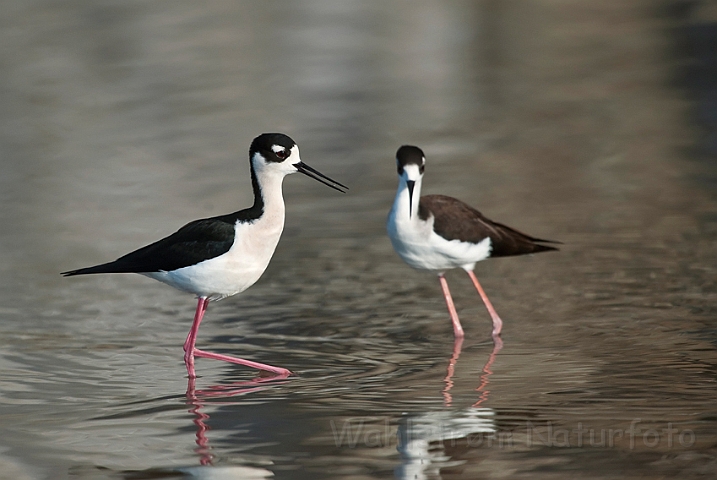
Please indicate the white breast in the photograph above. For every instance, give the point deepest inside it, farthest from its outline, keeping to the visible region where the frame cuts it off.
(234, 271)
(420, 247)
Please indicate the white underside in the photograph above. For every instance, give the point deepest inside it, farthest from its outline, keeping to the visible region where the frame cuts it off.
(420, 247)
(231, 273)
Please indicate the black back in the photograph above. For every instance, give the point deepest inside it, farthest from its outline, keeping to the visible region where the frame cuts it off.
(455, 220)
(193, 243)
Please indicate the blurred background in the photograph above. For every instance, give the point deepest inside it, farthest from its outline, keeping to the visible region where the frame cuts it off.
(592, 123)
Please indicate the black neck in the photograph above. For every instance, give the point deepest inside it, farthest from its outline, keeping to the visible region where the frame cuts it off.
(255, 211)
(258, 197)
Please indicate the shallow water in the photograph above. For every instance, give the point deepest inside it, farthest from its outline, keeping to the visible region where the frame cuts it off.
(589, 124)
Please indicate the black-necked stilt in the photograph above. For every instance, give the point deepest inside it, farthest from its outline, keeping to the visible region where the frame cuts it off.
(438, 233)
(218, 257)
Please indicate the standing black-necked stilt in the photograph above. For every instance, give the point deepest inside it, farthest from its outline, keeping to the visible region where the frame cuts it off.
(438, 233)
(218, 257)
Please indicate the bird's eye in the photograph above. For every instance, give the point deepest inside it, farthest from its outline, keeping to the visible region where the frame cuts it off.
(282, 154)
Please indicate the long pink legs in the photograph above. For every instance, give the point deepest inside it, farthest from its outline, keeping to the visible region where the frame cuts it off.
(190, 351)
(457, 329)
(497, 322)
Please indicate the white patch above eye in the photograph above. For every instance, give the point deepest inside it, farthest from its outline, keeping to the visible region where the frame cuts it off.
(277, 148)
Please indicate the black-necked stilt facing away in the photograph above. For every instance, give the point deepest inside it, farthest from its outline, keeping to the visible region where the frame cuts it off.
(218, 257)
(438, 233)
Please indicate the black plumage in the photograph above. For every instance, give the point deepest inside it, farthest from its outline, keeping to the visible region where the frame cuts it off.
(455, 220)
(195, 242)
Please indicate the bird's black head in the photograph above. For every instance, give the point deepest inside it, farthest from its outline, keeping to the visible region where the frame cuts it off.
(273, 147)
(276, 154)
(410, 155)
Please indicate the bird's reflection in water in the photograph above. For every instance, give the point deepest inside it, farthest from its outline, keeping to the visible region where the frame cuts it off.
(487, 372)
(422, 438)
(447, 397)
(484, 378)
(197, 398)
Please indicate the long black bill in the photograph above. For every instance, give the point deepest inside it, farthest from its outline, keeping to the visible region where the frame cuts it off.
(316, 175)
(410, 184)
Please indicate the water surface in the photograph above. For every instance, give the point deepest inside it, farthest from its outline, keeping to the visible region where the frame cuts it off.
(123, 121)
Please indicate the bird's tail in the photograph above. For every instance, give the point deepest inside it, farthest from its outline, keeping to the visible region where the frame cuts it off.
(104, 268)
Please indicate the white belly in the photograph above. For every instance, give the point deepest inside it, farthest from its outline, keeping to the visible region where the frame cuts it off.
(420, 247)
(232, 272)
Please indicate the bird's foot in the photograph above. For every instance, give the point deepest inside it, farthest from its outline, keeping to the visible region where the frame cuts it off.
(497, 325)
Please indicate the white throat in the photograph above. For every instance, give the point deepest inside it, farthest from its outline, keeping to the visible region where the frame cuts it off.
(405, 205)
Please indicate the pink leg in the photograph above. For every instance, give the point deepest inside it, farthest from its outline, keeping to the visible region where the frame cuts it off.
(190, 351)
(191, 340)
(240, 361)
(457, 329)
(497, 322)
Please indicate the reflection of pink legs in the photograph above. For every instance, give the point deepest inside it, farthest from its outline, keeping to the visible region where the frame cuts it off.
(190, 351)
(196, 398)
(497, 322)
(457, 329)
(487, 372)
(203, 449)
(447, 397)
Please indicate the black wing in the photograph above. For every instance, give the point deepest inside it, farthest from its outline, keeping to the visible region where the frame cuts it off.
(193, 243)
(455, 220)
